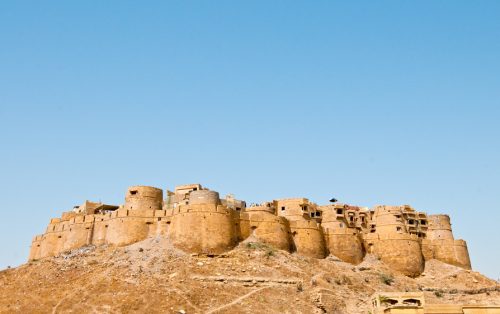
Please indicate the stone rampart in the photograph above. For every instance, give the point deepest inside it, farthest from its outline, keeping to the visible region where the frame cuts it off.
(199, 222)
(307, 238)
(401, 252)
(342, 241)
(205, 229)
(266, 227)
(345, 243)
(449, 251)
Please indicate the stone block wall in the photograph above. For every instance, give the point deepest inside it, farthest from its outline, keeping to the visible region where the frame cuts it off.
(199, 222)
(265, 226)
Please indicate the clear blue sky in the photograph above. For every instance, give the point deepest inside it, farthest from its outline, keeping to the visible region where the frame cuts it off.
(373, 102)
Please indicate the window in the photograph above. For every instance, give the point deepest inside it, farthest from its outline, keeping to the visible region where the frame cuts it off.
(318, 214)
(423, 222)
(283, 208)
(339, 211)
(389, 301)
(398, 228)
(412, 302)
(411, 221)
(133, 192)
(304, 208)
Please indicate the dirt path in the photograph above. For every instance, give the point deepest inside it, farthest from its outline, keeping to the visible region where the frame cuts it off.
(236, 301)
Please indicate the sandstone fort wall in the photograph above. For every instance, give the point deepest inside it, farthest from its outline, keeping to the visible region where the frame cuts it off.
(196, 220)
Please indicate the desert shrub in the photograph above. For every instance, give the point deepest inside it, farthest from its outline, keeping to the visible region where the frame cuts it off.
(255, 245)
(387, 279)
(269, 253)
(300, 287)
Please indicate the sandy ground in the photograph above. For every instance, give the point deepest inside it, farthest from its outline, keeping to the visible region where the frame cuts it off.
(153, 277)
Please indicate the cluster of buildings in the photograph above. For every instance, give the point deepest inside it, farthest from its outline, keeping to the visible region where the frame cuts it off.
(198, 220)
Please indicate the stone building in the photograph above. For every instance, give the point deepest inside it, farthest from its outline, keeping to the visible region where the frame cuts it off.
(197, 220)
(414, 303)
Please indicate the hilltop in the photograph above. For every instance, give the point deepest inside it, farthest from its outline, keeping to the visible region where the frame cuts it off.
(154, 277)
(192, 251)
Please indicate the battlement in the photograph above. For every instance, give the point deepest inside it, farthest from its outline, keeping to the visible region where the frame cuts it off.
(267, 207)
(196, 219)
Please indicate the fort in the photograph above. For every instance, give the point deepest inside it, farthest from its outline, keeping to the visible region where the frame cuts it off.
(197, 220)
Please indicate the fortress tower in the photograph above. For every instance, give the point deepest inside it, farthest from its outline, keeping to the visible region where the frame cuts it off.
(203, 225)
(131, 223)
(307, 236)
(261, 222)
(441, 245)
(341, 224)
(392, 243)
(439, 228)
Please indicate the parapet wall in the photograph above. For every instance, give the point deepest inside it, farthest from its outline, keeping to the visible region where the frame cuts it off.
(197, 221)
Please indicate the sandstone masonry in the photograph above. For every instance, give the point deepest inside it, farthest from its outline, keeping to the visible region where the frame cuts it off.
(197, 220)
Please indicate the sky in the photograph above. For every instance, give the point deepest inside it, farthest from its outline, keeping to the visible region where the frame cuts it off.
(370, 102)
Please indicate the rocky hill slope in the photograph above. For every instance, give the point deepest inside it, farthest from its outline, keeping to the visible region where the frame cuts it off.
(152, 277)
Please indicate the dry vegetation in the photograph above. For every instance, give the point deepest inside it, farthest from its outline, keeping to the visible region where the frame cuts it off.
(152, 277)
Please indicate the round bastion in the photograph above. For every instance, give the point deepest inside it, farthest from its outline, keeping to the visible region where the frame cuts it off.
(261, 223)
(203, 226)
(205, 197)
(143, 197)
(130, 224)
